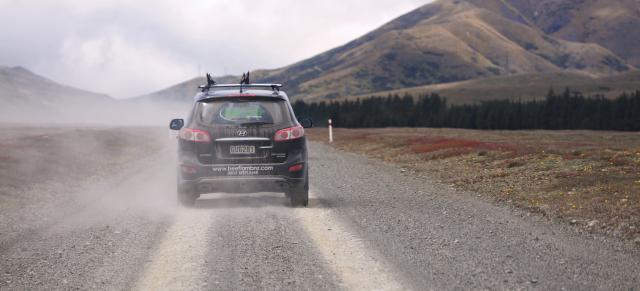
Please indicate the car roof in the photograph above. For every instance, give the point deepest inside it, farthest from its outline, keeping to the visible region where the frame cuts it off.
(227, 93)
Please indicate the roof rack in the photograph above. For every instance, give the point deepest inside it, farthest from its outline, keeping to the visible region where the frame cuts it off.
(210, 82)
(275, 87)
(244, 83)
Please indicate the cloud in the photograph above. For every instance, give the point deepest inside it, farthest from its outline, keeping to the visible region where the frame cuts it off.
(128, 48)
(110, 63)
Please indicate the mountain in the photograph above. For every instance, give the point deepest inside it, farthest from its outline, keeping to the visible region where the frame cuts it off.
(441, 42)
(26, 97)
(20, 87)
(182, 92)
(613, 24)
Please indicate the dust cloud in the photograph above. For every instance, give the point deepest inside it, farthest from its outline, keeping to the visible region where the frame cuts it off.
(75, 175)
(128, 112)
(88, 165)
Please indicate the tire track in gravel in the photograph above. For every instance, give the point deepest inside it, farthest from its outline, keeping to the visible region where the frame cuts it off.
(358, 267)
(178, 261)
(258, 243)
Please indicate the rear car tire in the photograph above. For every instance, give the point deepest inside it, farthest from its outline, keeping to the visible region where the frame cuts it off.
(186, 197)
(299, 196)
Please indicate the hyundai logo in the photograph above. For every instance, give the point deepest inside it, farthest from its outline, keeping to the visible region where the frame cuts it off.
(242, 132)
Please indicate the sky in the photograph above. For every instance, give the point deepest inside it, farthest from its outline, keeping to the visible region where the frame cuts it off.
(130, 48)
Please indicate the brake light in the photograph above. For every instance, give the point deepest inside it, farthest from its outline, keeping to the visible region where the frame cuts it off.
(296, 168)
(189, 169)
(290, 133)
(195, 135)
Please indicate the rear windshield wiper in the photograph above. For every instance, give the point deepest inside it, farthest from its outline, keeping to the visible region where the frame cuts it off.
(256, 123)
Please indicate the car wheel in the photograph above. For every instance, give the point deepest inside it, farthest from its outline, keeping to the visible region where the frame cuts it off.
(186, 197)
(300, 196)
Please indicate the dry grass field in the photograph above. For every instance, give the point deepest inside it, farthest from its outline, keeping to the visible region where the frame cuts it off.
(589, 179)
(522, 87)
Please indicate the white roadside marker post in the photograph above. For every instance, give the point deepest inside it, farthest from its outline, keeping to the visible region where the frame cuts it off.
(330, 131)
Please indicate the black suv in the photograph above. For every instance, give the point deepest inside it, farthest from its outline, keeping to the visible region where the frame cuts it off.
(242, 138)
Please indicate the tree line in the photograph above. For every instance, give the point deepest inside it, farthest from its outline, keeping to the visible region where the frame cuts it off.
(566, 110)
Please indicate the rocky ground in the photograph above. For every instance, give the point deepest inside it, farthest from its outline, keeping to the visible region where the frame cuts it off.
(584, 178)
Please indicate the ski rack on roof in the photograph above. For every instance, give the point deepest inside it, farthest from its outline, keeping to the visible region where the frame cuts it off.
(244, 84)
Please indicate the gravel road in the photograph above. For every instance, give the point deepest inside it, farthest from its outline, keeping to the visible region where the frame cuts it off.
(369, 226)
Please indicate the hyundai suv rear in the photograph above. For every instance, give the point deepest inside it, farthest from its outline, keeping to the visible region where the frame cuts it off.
(241, 139)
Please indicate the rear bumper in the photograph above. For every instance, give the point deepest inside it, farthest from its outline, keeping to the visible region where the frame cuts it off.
(241, 184)
(250, 178)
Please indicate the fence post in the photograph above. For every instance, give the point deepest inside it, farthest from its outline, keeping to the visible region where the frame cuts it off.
(330, 131)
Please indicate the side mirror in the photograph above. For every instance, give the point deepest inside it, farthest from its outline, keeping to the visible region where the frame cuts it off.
(176, 124)
(306, 122)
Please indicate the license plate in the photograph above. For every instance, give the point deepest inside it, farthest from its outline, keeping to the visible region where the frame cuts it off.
(242, 150)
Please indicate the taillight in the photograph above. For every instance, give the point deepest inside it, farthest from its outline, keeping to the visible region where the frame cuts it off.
(289, 133)
(189, 169)
(296, 168)
(195, 135)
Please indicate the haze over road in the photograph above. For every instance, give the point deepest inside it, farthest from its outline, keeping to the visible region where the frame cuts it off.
(368, 226)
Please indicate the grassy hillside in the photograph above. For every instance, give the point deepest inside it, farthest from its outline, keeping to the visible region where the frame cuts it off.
(441, 42)
(523, 86)
(612, 24)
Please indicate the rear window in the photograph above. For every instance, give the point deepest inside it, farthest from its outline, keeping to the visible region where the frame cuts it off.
(243, 112)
